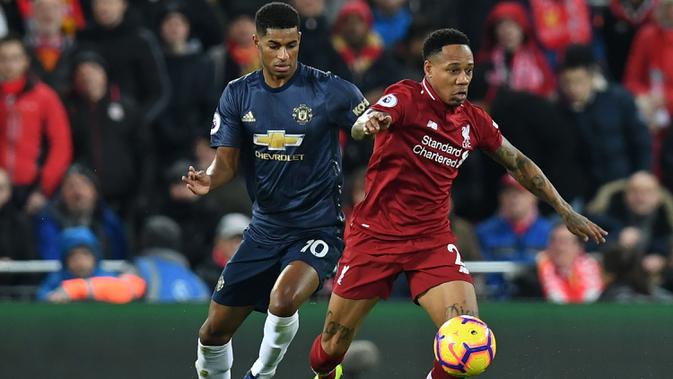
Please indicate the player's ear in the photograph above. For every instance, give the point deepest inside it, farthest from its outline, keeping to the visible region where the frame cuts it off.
(255, 39)
(427, 68)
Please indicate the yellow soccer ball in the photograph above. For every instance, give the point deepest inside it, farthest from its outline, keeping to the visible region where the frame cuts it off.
(464, 346)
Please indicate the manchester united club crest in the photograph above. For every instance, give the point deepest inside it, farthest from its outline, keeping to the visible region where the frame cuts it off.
(302, 114)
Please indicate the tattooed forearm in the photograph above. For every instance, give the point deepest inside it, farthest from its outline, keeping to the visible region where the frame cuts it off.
(457, 309)
(333, 328)
(526, 172)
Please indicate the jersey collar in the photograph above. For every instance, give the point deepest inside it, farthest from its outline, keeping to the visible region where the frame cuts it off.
(430, 92)
(284, 86)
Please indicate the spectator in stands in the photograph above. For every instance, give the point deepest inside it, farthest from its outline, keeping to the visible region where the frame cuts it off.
(614, 143)
(80, 254)
(566, 272)
(49, 46)
(30, 113)
(205, 25)
(164, 268)
(316, 48)
(536, 125)
(640, 214)
(16, 235)
(197, 215)
(79, 204)
(361, 48)
(391, 20)
(107, 133)
(510, 57)
(625, 280)
(621, 21)
(240, 45)
(410, 51)
(649, 73)
(228, 237)
(515, 234)
(561, 23)
(193, 95)
(133, 56)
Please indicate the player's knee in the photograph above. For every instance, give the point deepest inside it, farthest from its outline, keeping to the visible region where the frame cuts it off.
(283, 303)
(213, 335)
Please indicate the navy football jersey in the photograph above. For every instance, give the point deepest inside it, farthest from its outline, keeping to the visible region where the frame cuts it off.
(289, 143)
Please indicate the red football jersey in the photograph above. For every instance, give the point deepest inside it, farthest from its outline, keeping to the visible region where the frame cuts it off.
(411, 171)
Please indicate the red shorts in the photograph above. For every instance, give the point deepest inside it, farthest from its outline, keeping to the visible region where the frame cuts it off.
(365, 273)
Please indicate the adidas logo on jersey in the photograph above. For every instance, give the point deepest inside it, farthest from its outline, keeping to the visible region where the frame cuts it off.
(248, 117)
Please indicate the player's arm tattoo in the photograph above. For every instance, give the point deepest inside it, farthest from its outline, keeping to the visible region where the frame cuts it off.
(333, 328)
(526, 172)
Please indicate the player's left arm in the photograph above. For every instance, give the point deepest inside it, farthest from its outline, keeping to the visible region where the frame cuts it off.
(526, 172)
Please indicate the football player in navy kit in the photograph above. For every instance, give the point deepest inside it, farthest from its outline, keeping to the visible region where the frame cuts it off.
(278, 126)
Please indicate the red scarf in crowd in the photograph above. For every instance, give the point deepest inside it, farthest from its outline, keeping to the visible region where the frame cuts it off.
(583, 284)
(359, 61)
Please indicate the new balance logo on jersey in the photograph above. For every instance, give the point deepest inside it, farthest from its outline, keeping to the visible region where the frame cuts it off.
(466, 137)
(343, 272)
(432, 125)
(248, 117)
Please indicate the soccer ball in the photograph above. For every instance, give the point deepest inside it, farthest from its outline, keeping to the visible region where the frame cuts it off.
(464, 346)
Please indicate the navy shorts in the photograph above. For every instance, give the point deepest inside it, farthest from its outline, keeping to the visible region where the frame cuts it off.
(249, 276)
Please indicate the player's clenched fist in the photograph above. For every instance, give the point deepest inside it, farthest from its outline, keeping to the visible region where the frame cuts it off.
(197, 181)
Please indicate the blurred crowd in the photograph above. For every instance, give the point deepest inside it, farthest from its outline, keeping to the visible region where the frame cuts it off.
(105, 103)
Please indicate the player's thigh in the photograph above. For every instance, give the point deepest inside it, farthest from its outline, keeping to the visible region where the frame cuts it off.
(296, 283)
(310, 258)
(448, 300)
(344, 318)
(221, 323)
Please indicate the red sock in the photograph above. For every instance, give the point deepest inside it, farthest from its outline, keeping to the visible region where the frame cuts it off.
(439, 373)
(323, 363)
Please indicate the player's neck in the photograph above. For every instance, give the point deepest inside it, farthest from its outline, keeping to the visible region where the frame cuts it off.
(275, 81)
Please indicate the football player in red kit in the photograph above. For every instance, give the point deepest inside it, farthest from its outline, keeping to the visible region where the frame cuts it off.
(424, 132)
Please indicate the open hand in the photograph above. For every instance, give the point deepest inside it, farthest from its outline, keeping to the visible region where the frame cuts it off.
(197, 181)
(584, 228)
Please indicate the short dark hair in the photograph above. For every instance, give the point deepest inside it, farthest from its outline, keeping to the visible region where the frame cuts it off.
(276, 15)
(578, 56)
(442, 37)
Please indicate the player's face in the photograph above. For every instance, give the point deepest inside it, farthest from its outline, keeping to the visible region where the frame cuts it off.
(450, 72)
(278, 50)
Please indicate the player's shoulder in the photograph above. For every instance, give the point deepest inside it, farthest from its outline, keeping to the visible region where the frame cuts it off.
(477, 113)
(325, 79)
(406, 86)
(243, 82)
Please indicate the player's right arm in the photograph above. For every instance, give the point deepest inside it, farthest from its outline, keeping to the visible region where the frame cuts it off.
(388, 110)
(226, 134)
(222, 170)
(370, 123)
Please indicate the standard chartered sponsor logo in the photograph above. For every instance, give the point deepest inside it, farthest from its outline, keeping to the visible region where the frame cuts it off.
(442, 153)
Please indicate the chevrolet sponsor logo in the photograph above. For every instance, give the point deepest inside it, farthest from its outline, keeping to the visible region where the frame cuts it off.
(277, 139)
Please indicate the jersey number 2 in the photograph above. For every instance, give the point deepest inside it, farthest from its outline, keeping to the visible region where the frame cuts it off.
(459, 262)
(319, 248)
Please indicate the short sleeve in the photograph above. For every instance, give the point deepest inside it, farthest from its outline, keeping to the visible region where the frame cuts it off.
(394, 101)
(490, 137)
(226, 128)
(345, 102)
